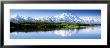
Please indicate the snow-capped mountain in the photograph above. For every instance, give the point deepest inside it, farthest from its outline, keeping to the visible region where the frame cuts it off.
(21, 18)
(63, 17)
(91, 19)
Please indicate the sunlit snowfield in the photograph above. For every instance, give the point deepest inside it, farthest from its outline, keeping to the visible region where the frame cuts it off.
(86, 33)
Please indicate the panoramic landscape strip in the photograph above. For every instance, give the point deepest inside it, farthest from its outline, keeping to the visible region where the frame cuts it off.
(50, 20)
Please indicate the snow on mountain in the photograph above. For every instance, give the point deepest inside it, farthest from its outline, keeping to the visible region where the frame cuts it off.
(22, 18)
(91, 19)
(63, 17)
(68, 17)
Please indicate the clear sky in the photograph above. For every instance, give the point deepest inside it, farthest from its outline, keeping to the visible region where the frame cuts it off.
(41, 13)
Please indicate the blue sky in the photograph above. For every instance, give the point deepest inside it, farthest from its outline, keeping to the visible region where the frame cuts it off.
(42, 13)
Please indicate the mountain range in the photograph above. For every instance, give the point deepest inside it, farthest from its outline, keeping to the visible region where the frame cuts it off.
(63, 17)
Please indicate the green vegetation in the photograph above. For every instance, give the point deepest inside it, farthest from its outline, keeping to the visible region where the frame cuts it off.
(45, 25)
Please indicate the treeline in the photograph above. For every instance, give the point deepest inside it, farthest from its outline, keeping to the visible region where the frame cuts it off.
(45, 25)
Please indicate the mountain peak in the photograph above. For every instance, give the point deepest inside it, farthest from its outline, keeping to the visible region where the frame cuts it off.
(63, 17)
(64, 14)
